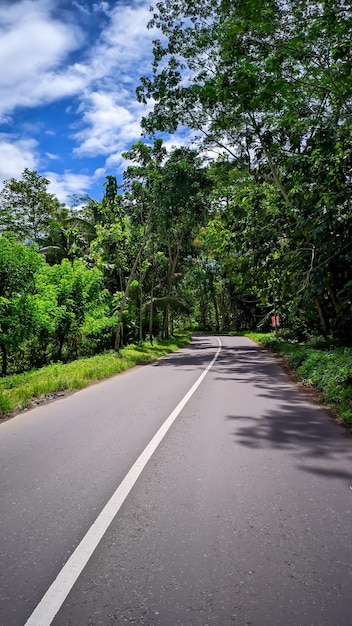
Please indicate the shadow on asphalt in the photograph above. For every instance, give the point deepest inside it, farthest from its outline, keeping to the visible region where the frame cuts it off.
(290, 420)
(198, 354)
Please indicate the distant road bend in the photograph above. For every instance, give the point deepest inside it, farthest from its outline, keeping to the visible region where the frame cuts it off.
(204, 489)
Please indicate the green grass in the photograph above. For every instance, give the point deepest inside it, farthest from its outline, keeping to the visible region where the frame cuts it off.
(318, 364)
(17, 392)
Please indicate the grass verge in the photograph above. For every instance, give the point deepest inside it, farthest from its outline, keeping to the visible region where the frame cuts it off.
(20, 391)
(320, 365)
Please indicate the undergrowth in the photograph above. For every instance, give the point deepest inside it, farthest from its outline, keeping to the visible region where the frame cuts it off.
(19, 391)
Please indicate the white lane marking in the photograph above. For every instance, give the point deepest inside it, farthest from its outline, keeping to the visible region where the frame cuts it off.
(57, 593)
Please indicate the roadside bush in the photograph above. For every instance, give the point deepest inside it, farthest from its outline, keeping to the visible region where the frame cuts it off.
(330, 371)
(296, 357)
(98, 334)
(19, 390)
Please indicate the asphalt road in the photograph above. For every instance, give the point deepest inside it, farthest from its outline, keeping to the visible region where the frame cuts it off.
(243, 514)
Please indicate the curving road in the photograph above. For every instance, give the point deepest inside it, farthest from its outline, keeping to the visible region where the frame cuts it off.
(242, 515)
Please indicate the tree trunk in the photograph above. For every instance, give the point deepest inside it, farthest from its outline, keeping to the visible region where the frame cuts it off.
(4, 360)
(333, 296)
(173, 264)
(140, 307)
(165, 330)
(202, 312)
(151, 311)
(120, 279)
(216, 309)
(222, 307)
(322, 316)
(58, 356)
(172, 324)
(118, 335)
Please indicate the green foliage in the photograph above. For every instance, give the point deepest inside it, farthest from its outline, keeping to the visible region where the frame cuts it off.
(18, 392)
(175, 304)
(18, 266)
(265, 229)
(166, 194)
(67, 293)
(269, 84)
(49, 312)
(296, 357)
(26, 207)
(98, 332)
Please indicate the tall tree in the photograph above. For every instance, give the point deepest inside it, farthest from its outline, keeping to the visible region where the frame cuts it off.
(181, 209)
(26, 207)
(270, 83)
(139, 185)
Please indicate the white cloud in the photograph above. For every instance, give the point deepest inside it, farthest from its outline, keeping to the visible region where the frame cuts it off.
(110, 117)
(108, 124)
(32, 47)
(178, 141)
(99, 173)
(35, 51)
(101, 6)
(16, 155)
(81, 7)
(127, 38)
(115, 163)
(69, 183)
(53, 157)
(56, 85)
(123, 48)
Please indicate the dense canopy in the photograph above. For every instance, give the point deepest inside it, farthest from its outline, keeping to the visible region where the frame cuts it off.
(252, 220)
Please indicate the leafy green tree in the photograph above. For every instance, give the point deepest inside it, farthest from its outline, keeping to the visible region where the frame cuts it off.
(270, 83)
(182, 209)
(18, 266)
(168, 193)
(26, 207)
(74, 290)
(68, 236)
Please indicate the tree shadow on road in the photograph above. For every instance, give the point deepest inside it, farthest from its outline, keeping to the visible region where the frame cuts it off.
(285, 418)
(198, 354)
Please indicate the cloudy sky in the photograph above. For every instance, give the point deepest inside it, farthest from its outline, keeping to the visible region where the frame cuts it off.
(69, 69)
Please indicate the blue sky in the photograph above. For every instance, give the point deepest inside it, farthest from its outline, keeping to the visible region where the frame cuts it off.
(69, 69)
